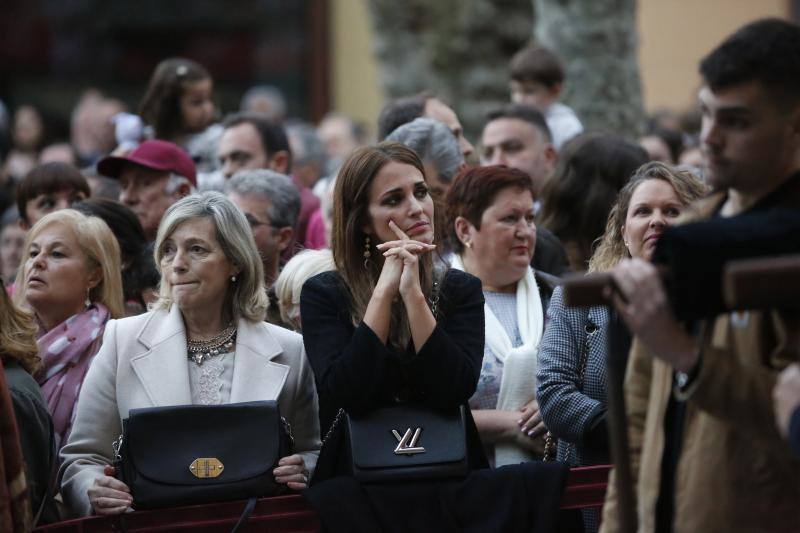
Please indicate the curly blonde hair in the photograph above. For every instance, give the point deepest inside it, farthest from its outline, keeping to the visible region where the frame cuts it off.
(611, 248)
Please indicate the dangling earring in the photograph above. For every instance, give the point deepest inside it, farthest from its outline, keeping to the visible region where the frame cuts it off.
(88, 301)
(367, 244)
(233, 279)
(367, 252)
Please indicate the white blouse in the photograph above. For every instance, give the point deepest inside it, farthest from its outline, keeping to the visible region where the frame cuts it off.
(210, 382)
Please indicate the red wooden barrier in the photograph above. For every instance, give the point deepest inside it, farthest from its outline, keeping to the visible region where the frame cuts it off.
(586, 488)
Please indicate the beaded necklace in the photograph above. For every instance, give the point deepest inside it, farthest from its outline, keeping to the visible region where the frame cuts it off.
(200, 351)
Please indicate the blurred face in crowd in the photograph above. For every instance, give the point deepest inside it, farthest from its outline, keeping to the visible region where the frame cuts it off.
(656, 148)
(46, 203)
(534, 93)
(502, 249)
(516, 143)
(437, 110)
(240, 148)
(145, 192)
(58, 152)
(399, 193)
(12, 242)
(654, 206)
(749, 138)
(336, 133)
(58, 274)
(197, 107)
(271, 241)
(28, 128)
(195, 266)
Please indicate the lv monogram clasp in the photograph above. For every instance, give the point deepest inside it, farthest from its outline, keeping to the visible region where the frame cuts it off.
(407, 444)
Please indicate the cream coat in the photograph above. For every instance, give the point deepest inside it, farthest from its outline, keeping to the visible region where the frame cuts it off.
(143, 363)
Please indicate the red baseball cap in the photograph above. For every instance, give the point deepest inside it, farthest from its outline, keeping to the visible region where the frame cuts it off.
(155, 155)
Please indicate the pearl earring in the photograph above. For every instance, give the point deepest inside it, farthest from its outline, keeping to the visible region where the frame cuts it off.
(233, 279)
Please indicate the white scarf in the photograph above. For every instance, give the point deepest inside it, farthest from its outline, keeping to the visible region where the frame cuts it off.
(518, 385)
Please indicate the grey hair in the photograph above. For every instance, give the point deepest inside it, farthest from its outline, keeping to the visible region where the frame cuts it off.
(307, 148)
(247, 296)
(175, 181)
(433, 142)
(283, 196)
(295, 273)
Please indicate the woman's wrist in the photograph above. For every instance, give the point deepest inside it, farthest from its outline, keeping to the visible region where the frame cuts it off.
(413, 297)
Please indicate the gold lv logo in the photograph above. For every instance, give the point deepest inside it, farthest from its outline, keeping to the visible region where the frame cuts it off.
(407, 444)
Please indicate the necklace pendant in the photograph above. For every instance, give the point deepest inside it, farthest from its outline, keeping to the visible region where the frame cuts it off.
(198, 358)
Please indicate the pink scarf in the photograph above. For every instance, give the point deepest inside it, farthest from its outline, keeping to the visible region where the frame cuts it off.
(66, 352)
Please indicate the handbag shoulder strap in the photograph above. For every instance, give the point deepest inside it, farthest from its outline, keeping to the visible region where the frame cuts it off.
(584, 358)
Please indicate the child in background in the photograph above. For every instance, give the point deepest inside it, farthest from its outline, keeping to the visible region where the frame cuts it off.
(537, 79)
(178, 106)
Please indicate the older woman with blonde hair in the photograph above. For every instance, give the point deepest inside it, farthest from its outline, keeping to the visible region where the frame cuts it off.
(70, 280)
(204, 342)
(572, 358)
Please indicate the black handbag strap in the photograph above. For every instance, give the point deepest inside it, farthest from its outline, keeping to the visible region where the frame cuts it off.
(248, 511)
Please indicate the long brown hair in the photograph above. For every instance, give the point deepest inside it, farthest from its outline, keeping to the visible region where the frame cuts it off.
(351, 215)
(17, 334)
(611, 249)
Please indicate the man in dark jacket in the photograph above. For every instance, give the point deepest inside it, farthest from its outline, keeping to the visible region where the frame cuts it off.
(705, 444)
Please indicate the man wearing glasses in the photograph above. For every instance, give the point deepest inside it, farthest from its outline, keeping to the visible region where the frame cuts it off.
(271, 203)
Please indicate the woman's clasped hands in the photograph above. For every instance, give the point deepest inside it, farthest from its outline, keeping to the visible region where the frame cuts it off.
(400, 273)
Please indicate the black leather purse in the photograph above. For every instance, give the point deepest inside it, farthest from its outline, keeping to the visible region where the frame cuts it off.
(193, 454)
(401, 443)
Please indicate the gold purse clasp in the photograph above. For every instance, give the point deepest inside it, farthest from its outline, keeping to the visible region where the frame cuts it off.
(203, 467)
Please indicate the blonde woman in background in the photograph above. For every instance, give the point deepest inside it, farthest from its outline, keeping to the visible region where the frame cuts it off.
(70, 279)
(295, 273)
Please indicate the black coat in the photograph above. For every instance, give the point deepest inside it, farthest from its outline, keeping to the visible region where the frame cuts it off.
(354, 370)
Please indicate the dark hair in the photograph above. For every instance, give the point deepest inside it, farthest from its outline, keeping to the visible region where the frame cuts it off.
(535, 63)
(527, 113)
(401, 111)
(474, 190)
(348, 239)
(160, 106)
(767, 50)
(273, 136)
(591, 170)
(46, 179)
(138, 270)
(673, 139)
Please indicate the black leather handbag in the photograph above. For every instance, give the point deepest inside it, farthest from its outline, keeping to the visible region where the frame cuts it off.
(193, 454)
(402, 443)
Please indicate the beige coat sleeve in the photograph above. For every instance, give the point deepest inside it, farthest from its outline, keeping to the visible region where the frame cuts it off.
(637, 391)
(304, 416)
(735, 381)
(97, 425)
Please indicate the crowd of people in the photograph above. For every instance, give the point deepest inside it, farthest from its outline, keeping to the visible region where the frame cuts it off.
(170, 257)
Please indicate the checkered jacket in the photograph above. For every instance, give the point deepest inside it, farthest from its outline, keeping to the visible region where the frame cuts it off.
(568, 404)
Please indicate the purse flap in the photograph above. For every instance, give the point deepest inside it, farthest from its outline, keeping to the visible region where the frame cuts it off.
(186, 444)
(407, 435)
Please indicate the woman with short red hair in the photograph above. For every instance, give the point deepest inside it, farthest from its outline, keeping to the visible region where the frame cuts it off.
(490, 213)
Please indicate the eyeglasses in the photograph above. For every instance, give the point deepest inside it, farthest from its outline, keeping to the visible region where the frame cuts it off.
(254, 223)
